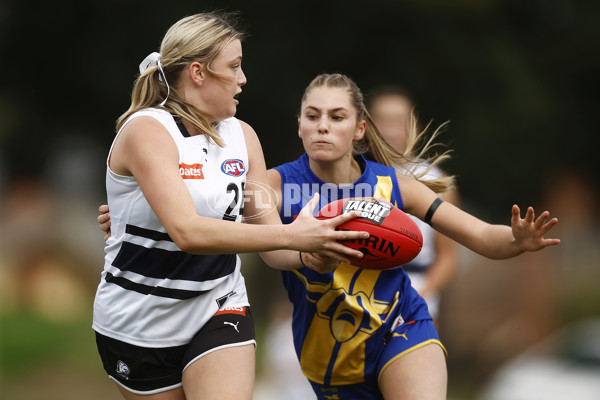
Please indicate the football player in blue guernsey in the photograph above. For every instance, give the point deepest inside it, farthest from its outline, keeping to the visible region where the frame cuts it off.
(367, 334)
(360, 333)
(171, 313)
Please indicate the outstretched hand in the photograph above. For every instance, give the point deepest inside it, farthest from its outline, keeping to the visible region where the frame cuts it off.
(320, 236)
(529, 232)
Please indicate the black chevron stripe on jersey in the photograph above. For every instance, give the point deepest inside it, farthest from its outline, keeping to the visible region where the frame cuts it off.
(153, 290)
(176, 265)
(147, 233)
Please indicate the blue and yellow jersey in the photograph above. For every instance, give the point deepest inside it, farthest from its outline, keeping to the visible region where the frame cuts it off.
(341, 318)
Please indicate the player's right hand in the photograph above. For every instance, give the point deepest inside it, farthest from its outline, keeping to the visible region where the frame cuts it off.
(313, 235)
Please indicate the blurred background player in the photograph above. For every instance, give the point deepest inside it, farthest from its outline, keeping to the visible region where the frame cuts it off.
(393, 111)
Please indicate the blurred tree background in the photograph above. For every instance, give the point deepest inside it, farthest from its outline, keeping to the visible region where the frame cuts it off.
(518, 80)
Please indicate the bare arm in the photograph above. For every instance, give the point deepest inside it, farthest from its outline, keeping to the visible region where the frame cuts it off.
(492, 241)
(279, 259)
(145, 150)
(445, 264)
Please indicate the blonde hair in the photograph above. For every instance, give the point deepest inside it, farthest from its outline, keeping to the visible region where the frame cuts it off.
(199, 37)
(421, 150)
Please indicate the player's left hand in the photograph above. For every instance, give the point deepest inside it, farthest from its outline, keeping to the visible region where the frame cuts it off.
(529, 232)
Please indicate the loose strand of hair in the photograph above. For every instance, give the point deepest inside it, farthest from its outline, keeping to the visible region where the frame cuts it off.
(418, 158)
(422, 151)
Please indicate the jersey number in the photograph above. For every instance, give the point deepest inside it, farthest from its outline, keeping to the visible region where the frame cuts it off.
(238, 200)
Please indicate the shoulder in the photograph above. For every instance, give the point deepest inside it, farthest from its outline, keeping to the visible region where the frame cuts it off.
(142, 141)
(151, 119)
(274, 179)
(252, 140)
(145, 127)
(244, 127)
(156, 114)
(148, 132)
(404, 180)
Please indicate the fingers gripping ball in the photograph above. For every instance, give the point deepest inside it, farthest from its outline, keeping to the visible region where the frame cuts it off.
(395, 238)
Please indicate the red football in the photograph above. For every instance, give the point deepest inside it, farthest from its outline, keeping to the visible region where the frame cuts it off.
(395, 238)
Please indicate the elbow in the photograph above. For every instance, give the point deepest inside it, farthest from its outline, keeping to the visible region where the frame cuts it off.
(186, 241)
(186, 245)
(267, 259)
(195, 236)
(276, 260)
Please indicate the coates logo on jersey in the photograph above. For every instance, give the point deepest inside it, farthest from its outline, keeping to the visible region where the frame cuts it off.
(193, 171)
(233, 167)
(232, 310)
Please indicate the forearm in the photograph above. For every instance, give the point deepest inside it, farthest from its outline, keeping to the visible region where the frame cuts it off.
(497, 242)
(201, 235)
(488, 240)
(282, 259)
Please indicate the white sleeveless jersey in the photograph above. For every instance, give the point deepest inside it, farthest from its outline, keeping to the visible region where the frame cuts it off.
(417, 267)
(427, 254)
(151, 293)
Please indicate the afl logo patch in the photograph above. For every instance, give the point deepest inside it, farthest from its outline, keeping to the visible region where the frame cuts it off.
(233, 167)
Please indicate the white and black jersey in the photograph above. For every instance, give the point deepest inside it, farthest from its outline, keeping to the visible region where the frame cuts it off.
(427, 254)
(151, 293)
(417, 268)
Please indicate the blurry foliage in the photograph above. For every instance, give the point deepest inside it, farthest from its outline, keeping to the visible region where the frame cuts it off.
(517, 79)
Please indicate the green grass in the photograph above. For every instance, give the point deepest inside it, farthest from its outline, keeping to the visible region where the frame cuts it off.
(27, 339)
(43, 359)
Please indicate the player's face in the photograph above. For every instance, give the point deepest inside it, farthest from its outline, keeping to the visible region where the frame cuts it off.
(219, 90)
(391, 114)
(328, 124)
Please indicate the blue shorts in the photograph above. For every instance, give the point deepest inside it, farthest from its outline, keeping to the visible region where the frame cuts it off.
(400, 340)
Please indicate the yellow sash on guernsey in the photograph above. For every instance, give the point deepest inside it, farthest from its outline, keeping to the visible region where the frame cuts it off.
(347, 315)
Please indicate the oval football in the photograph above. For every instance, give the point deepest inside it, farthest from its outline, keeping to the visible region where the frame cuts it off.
(394, 240)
